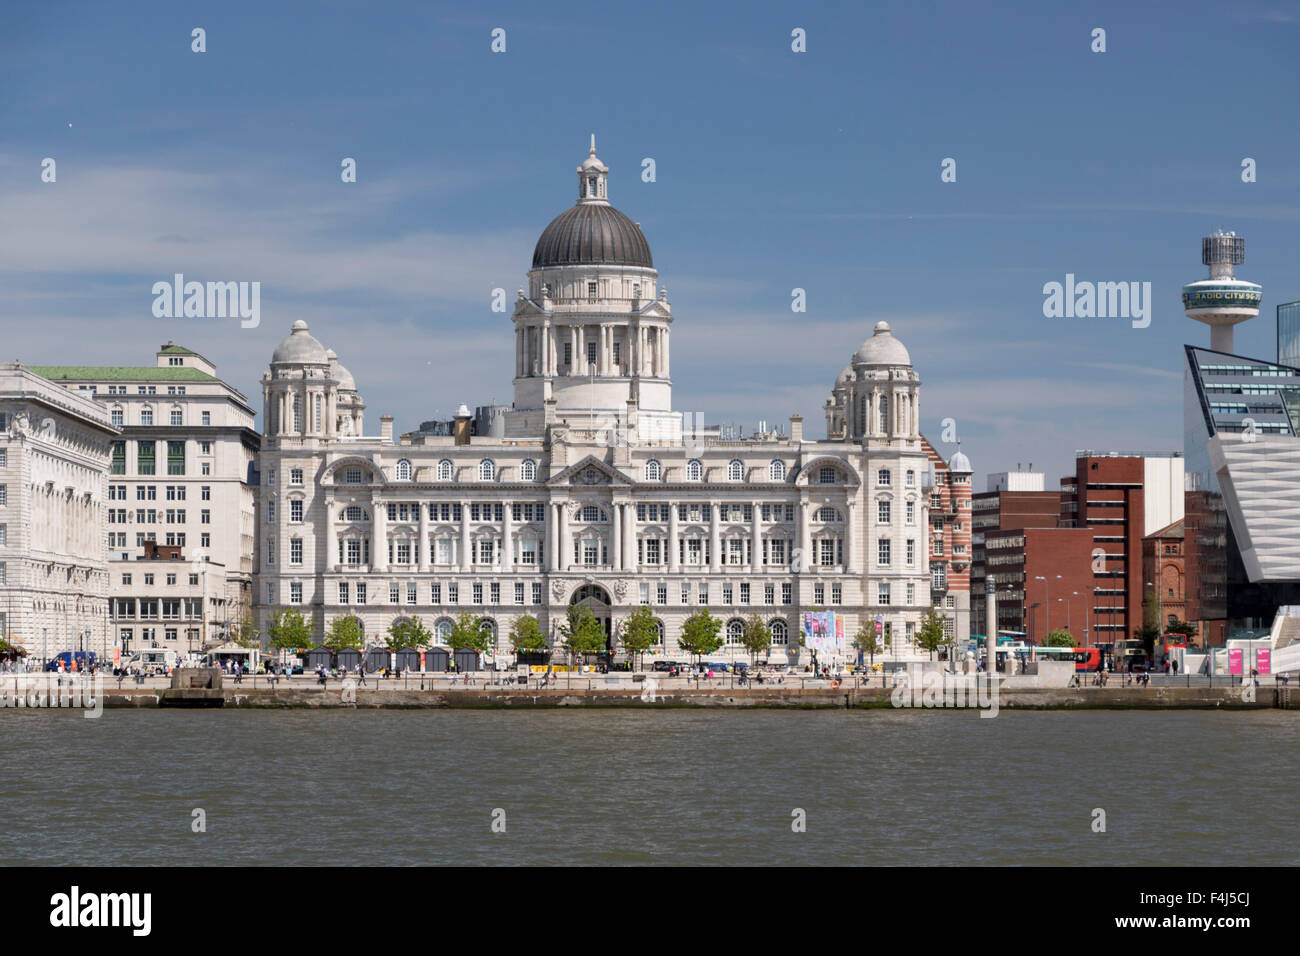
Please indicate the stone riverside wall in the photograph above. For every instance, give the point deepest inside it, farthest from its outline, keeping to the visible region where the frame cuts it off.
(1125, 698)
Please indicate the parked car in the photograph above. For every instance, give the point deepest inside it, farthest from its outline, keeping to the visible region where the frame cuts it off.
(664, 665)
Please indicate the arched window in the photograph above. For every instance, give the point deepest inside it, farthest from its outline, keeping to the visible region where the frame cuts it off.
(488, 627)
(442, 630)
(884, 413)
(735, 630)
(528, 470)
(487, 470)
(736, 470)
(780, 632)
(177, 416)
(591, 513)
(694, 470)
(776, 470)
(444, 470)
(404, 470)
(146, 415)
(653, 470)
(352, 513)
(659, 631)
(827, 513)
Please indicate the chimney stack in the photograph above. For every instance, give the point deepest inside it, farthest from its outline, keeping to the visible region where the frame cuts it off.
(796, 428)
(386, 428)
(460, 427)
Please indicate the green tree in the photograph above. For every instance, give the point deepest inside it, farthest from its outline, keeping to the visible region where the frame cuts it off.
(756, 637)
(469, 634)
(700, 633)
(1060, 639)
(930, 636)
(1180, 627)
(581, 631)
(344, 633)
(526, 634)
(408, 633)
(289, 630)
(639, 632)
(865, 639)
(245, 633)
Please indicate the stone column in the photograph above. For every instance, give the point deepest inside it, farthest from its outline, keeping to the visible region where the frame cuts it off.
(850, 565)
(552, 537)
(423, 556)
(674, 563)
(665, 335)
(466, 553)
(566, 537)
(379, 540)
(756, 542)
(331, 533)
(715, 537)
(629, 537)
(507, 537)
(805, 535)
(616, 533)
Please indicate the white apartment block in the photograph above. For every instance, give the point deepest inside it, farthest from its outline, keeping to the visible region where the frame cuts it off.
(589, 489)
(54, 582)
(180, 500)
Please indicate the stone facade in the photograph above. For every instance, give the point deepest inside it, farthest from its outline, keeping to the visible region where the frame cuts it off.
(54, 448)
(593, 491)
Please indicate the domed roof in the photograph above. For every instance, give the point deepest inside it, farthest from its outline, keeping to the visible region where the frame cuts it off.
(959, 462)
(592, 234)
(300, 348)
(882, 349)
(844, 376)
(346, 382)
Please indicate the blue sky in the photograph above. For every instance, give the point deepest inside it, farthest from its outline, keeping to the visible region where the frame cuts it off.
(775, 170)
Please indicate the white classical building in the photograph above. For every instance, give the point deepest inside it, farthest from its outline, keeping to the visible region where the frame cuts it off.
(54, 449)
(180, 498)
(589, 489)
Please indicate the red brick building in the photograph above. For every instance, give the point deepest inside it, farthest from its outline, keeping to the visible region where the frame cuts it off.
(1166, 579)
(1042, 576)
(1105, 495)
(950, 540)
(993, 511)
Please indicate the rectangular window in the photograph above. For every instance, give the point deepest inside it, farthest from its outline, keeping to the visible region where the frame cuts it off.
(645, 592)
(144, 457)
(704, 594)
(769, 594)
(176, 458)
(435, 593)
(537, 592)
(819, 594)
(478, 593)
(911, 552)
(883, 552)
(787, 594)
(661, 593)
(295, 592)
(412, 593)
(882, 512)
(494, 592)
(519, 592)
(361, 593)
(343, 592)
(837, 594)
(744, 593)
(295, 551)
(726, 594)
(882, 592)
(394, 593)
(295, 511)
(911, 512)
(911, 593)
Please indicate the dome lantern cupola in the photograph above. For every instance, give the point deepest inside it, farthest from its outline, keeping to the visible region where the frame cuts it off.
(592, 178)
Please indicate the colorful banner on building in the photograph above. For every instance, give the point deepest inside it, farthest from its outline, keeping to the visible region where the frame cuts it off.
(823, 632)
(1234, 660)
(1263, 660)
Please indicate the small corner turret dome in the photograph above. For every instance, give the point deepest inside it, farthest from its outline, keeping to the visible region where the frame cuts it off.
(299, 348)
(882, 349)
(959, 462)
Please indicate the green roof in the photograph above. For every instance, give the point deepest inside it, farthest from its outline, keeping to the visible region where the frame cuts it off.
(177, 350)
(120, 373)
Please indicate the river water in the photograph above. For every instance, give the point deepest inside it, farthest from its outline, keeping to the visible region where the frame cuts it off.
(646, 787)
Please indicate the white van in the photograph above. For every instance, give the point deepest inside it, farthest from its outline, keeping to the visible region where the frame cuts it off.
(156, 660)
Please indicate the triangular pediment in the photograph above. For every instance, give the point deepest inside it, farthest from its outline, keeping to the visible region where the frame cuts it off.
(588, 472)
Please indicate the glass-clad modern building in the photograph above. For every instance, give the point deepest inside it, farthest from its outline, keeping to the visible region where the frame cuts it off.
(1288, 334)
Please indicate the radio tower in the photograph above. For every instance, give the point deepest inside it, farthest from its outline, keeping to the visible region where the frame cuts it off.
(1222, 300)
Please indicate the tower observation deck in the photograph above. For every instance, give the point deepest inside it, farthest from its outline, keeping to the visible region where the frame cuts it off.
(1222, 300)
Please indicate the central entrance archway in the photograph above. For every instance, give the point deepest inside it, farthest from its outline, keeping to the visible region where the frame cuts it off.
(597, 600)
